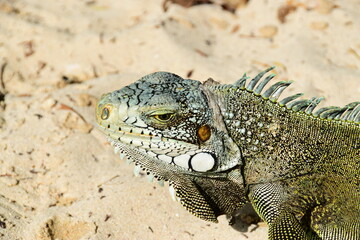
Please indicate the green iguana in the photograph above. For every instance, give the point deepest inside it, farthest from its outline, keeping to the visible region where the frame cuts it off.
(220, 146)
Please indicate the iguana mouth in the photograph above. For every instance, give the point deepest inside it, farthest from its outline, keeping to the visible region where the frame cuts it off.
(179, 154)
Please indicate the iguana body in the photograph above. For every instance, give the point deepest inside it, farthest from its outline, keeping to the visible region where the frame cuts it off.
(220, 146)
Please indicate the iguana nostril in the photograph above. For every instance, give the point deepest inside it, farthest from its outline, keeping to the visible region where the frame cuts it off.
(105, 113)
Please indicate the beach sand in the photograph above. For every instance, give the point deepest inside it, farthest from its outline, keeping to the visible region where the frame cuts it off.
(60, 179)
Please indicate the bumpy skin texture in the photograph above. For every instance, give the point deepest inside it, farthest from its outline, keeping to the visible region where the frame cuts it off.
(220, 146)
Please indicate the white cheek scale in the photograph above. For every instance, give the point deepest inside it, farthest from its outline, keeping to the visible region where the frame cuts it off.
(202, 162)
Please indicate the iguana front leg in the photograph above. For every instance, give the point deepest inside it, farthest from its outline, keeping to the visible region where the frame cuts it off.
(268, 200)
(286, 226)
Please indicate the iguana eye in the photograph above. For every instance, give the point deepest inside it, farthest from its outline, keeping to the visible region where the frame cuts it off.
(163, 117)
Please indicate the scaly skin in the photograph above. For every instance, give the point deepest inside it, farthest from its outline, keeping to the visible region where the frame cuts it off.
(220, 146)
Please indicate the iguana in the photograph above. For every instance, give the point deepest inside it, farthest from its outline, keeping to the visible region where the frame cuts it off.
(220, 146)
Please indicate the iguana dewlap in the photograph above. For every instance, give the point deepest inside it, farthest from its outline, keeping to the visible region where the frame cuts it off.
(220, 146)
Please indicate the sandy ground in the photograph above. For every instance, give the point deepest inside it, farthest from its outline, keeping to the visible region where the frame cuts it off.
(59, 178)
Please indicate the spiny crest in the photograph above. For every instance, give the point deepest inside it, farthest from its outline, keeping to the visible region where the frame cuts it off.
(350, 112)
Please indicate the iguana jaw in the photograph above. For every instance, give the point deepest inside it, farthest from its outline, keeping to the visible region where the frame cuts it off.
(169, 154)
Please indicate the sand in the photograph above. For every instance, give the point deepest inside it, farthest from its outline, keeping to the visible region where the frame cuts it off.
(60, 179)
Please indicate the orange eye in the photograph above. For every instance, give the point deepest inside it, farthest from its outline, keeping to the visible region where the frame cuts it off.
(204, 133)
(105, 113)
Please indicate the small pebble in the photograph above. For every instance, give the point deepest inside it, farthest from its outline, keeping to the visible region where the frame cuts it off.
(268, 31)
(319, 25)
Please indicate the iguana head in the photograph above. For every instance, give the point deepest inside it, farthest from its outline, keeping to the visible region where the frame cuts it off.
(172, 128)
